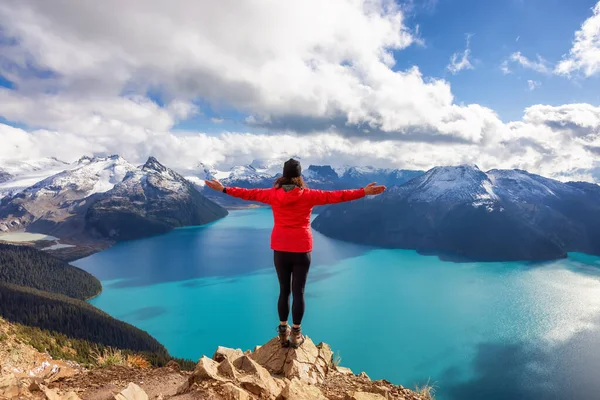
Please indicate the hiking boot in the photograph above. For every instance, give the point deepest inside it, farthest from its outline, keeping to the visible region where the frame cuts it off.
(284, 333)
(296, 338)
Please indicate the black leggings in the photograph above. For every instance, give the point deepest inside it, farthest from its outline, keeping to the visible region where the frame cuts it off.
(292, 270)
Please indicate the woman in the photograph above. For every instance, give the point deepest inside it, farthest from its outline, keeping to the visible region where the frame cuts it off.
(291, 239)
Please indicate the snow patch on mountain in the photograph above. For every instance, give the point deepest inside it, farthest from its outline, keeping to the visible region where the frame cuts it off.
(463, 183)
(24, 174)
(87, 177)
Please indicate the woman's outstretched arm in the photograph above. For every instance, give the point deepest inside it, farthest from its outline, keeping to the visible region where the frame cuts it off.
(322, 197)
(260, 195)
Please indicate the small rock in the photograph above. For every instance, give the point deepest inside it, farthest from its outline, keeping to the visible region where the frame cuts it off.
(10, 392)
(227, 370)
(224, 352)
(365, 396)
(233, 392)
(344, 370)
(206, 369)
(173, 365)
(297, 390)
(364, 375)
(325, 353)
(132, 392)
(34, 386)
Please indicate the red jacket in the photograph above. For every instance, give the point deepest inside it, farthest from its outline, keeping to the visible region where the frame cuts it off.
(291, 212)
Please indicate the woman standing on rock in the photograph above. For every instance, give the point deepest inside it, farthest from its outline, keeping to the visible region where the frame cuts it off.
(291, 239)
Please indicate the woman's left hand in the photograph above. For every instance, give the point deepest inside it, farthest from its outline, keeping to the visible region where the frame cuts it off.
(214, 184)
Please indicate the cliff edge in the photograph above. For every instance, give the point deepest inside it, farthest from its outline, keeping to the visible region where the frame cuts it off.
(269, 372)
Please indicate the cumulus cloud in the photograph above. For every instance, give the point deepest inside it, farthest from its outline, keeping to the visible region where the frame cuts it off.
(460, 61)
(290, 62)
(82, 72)
(559, 142)
(584, 56)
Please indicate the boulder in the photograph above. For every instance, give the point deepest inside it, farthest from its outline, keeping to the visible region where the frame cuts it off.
(255, 378)
(224, 352)
(364, 375)
(298, 390)
(132, 392)
(206, 369)
(233, 392)
(309, 362)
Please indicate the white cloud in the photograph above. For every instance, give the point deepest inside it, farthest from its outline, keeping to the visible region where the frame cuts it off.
(533, 84)
(460, 61)
(504, 68)
(584, 56)
(559, 142)
(541, 65)
(293, 68)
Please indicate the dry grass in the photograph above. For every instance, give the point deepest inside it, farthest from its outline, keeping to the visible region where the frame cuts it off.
(108, 357)
(337, 360)
(137, 361)
(426, 391)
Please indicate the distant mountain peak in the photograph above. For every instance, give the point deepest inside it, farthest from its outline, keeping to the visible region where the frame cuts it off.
(154, 165)
(87, 159)
(322, 171)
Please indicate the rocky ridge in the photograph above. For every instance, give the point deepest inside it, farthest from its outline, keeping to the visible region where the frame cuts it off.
(269, 372)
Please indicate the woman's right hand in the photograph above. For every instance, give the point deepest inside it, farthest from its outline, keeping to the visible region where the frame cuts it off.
(371, 189)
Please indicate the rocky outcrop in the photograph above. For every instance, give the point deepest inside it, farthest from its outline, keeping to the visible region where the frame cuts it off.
(267, 373)
(276, 373)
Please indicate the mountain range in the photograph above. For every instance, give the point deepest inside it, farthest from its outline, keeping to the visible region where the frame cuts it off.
(460, 212)
(261, 173)
(467, 214)
(104, 199)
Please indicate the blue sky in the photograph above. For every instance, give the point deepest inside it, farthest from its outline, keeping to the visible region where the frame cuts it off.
(543, 27)
(226, 82)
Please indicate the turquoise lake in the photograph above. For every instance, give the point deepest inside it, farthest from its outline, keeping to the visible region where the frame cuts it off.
(475, 330)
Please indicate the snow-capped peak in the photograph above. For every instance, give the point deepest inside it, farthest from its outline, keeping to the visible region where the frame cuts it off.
(152, 164)
(463, 183)
(89, 176)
